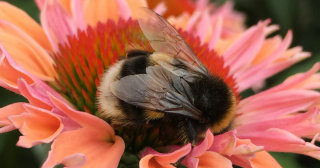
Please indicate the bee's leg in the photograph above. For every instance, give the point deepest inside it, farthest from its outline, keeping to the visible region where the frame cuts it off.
(191, 132)
(178, 163)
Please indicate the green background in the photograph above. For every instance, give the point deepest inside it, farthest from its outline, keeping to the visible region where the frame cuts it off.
(301, 16)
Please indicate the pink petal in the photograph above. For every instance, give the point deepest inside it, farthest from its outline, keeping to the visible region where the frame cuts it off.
(247, 154)
(269, 71)
(294, 81)
(246, 148)
(264, 159)
(100, 11)
(152, 158)
(36, 125)
(77, 13)
(224, 143)
(191, 159)
(252, 72)
(274, 105)
(242, 52)
(5, 112)
(213, 159)
(75, 160)
(124, 9)
(193, 20)
(216, 32)
(83, 119)
(314, 154)
(100, 149)
(7, 64)
(26, 51)
(161, 8)
(279, 140)
(57, 23)
(40, 3)
(281, 123)
(34, 97)
(96, 139)
(25, 23)
(37, 95)
(203, 26)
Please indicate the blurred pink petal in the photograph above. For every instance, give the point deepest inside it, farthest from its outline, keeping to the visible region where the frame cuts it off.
(37, 95)
(77, 13)
(24, 22)
(124, 9)
(192, 159)
(100, 11)
(26, 51)
(57, 23)
(98, 136)
(247, 154)
(151, 158)
(224, 143)
(7, 64)
(5, 112)
(274, 139)
(36, 125)
(213, 159)
(75, 160)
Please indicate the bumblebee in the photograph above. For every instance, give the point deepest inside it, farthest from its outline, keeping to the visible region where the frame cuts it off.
(167, 88)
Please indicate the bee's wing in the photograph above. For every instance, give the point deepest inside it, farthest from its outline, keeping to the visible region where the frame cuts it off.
(158, 90)
(163, 37)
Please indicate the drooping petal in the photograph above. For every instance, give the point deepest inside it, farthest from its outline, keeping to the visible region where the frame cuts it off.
(36, 125)
(287, 123)
(213, 159)
(22, 20)
(5, 112)
(153, 159)
(100, 152)
(96, 140)
(243, 50)
(192, 159)
(245, 152)
(264, 159)
(37, 95)
(279, 140)
(75, 160)
(224, 143)
(275, 105)
(293, 82)
(250, 76)
(216, 32)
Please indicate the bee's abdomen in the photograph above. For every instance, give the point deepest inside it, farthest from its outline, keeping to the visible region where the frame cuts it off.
(135, 64)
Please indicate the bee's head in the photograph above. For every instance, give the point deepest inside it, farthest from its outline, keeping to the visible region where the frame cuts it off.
(216, 102)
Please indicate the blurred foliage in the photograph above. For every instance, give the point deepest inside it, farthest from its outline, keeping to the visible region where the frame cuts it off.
(301, 16)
